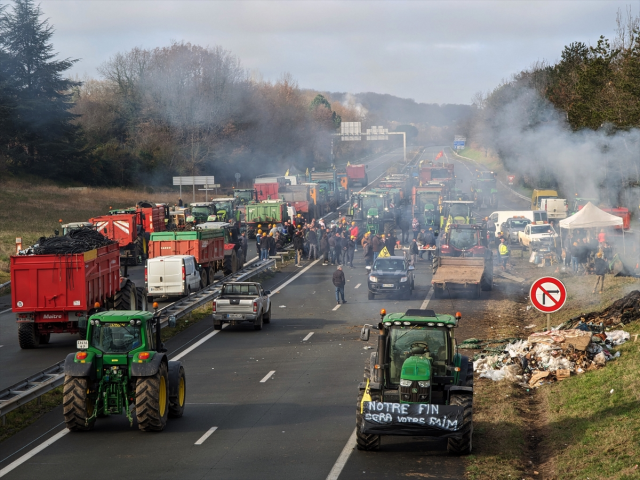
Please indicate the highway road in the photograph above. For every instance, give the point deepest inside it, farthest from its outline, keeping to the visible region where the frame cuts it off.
(271, 404)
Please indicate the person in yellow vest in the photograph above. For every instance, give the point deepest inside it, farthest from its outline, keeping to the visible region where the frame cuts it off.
(503, 250)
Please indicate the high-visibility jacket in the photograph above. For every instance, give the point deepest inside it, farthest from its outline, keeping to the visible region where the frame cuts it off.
(504, 249)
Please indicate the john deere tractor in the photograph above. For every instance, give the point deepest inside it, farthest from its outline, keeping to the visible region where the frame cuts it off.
(485, 191)
(415, 382)
(122, 364)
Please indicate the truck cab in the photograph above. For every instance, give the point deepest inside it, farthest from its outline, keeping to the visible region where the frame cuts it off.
(538, 195)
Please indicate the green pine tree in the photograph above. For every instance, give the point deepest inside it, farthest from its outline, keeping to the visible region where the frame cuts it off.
(45, 137)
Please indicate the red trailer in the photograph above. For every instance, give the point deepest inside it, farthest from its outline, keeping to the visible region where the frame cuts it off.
(267, 191)
(152, 218)
(57, 293)
(126, 229)
(621, 212)
(357, 175)
(207, 246)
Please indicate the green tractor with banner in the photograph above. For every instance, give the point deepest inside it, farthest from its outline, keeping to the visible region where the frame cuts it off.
(415, 382)
(122, 363)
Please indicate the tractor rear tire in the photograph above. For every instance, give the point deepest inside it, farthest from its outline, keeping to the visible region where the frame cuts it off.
(126, 297)
(204, 278)
(176, 404)
(230, 264)
(28, 336)
(152, 400)
(366, 442)
(469, 380)
(370, 372)
(266, 318)
(141, 299)
(138, 249)
(462, 446)
(76, 404)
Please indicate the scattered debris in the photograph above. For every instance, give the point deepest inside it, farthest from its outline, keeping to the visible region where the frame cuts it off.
(622, 311)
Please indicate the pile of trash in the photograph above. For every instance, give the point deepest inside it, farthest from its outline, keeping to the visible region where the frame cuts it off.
(622, 311)
(545, 356)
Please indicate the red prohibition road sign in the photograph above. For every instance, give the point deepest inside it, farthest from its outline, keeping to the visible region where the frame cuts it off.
(548, 294)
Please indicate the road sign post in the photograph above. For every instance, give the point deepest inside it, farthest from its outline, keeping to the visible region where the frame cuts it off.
(548, 295)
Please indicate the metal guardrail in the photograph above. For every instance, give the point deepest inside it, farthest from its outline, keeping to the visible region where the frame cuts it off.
(31, 388)
(5, 284)
(52, 377)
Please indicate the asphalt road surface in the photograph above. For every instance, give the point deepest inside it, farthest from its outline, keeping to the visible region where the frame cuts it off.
(271, 404)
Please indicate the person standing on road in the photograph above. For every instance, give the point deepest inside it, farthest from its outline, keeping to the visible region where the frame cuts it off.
(298, 245)
(351, 249)
(415, 226)
(264, 247)
(491, 233)
(575, 256)
(312, 238)
(503, 249)
(413, 251)
(244, 243)
(390, 243)
(339, 282)
(601, 268)
(332, 248)
(430, 241)
(324, 249)
(376, 244)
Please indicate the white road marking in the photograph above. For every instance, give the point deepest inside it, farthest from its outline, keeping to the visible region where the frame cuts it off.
(307, 337)
(198, 343)
(426, 300)
(342, 459)
(205, 436)
(33, 452)
(5, 311)
(336, 307)
(267, 376)
(358, 285)
(293, 278)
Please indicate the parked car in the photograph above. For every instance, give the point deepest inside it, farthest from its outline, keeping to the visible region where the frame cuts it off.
(174, 275)
(390, 275)
(240, 302)
(512, 227)
(536, 237)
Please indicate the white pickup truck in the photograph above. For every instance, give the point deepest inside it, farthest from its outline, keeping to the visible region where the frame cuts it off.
(536, 237)
(242, 302)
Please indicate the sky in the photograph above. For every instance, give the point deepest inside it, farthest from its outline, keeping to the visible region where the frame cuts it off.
(430, 51)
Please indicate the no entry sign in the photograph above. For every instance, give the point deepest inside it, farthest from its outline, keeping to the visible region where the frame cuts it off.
(548, 294)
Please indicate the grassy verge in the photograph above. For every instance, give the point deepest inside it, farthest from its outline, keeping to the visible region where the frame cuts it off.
(29, 413)
(38, 205)
(594, 420)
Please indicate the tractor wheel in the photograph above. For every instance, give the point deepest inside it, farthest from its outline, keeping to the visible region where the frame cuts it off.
(141, 299)
(138, 249)
(176, 404)
(28, 336)
(267, 316)
(230, 264)
(258, 323)
(126, 297)
(210, 273)
(469, 380)
(371, 296)
(369, 443)
(76, 404)
(152, 400)
(462, 446)
(45, 337)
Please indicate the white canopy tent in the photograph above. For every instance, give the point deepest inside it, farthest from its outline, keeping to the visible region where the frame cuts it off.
(591, 217)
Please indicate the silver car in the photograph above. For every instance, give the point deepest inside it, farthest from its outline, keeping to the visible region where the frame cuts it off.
(512, 226)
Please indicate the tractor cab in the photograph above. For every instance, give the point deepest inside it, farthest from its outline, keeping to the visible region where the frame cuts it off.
(225, 210)
(456, 212)
(465, 241)
(67, 228)
(178, 219)
(201, 212)
(417, 371)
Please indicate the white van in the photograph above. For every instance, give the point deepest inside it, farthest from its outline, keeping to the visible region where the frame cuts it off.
(173, 275)
(556, 208)
(534, 216)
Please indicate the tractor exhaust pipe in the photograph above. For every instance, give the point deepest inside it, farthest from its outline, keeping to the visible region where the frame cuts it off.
(382, 345)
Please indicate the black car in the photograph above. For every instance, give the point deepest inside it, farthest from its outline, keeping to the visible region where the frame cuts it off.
(390, 275)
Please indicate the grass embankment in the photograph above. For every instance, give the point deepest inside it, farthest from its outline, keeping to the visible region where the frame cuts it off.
(574, 429)
(32, 210)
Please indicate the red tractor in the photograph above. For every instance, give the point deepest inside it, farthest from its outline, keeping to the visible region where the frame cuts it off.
(127, 228)
(465, 241)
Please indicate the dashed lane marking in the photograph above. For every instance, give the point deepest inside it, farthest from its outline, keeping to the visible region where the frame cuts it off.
(205, 436)
(267, 376)
(336, 307)
(426, 300)
(357, 286)
(342, 459)
(198, 343)
(304, 339)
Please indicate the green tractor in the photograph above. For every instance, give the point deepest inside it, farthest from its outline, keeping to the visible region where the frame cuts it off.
(456, 212)
(415, 382)
(122, 364)
(485, 190)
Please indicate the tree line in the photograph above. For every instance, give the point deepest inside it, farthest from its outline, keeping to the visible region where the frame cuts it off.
(182, 109)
